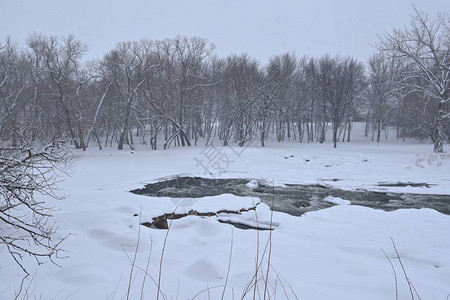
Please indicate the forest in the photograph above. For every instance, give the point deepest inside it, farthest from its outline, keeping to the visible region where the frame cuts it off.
(177, 92)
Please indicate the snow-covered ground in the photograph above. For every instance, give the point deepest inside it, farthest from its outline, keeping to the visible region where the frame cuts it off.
(335, 253)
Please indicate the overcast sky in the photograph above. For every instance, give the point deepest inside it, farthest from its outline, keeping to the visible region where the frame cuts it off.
(261, 28)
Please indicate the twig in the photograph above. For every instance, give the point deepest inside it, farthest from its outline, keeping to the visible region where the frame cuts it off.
(257, 256)
(147, 266)
(270, 240)
(411, 286)
(295, 295)
(134, 257)
(395, 274)
(115, 290)
(21, 286)
(153, 279)
(205, 290)
(229, 266)
(161, 261)
(281, 282)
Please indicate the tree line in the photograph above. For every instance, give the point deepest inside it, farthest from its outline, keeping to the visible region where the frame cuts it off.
(177, 92)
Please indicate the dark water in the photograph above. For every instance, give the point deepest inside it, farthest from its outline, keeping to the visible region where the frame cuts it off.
(292, 199)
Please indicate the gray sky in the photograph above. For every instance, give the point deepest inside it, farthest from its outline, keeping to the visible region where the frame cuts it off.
(260, 27)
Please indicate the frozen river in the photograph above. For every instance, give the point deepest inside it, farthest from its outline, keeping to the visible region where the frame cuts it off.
(295, 199)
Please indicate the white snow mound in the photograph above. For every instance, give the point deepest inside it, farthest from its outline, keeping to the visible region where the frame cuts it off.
(336, 200)
(253, 184)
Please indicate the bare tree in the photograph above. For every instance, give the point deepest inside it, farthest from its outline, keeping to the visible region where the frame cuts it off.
(425, 45)
(61, 60)
(132, 58)
(25, 223)
(182, 68)
(242, 82)
(38, 120)
(213, 96)
(12, 85)
(382, 77)
(281, 83)
(341, 81)
(98, 90)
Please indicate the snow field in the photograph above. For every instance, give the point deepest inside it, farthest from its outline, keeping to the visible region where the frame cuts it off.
(334, 253)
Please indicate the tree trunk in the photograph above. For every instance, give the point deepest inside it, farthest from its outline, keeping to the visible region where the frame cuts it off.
(378, 131)
(322, 133)
(439, 138)
(349, 130)
(263, 130)
(335, 133)
(126, 122)
(366, 130)
(67, 117)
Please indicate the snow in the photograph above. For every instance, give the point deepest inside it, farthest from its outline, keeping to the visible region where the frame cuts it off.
(252, 184)
(212, 204)
(334, 253)
(336, 200)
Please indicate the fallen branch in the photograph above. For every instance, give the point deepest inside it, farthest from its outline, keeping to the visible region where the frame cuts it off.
(160, 222)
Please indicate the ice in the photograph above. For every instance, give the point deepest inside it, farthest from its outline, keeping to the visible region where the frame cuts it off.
(336, 200)
(253, 184)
